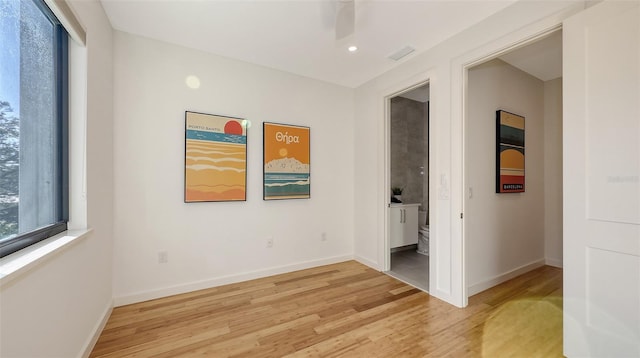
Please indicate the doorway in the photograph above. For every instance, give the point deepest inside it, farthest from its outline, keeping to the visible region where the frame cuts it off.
(408, 176)
(509, 233)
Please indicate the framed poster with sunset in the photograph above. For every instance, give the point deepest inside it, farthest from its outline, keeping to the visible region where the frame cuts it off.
(286, 161)
(215, 162)
(509, 152)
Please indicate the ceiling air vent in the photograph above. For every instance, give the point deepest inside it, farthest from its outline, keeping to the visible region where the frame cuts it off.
(402, 53)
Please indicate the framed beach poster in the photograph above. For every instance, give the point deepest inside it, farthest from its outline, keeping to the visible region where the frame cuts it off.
(286, 161)
(509, 152)
(215, 162)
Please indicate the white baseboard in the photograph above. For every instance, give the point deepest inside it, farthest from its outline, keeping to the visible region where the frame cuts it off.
(367, 262)
(496, 280)
(553, 262)
(225, 280)
(97, 330)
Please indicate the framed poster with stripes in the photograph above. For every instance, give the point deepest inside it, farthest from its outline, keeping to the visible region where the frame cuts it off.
(509, 152)
(215, 164)
(286, 161)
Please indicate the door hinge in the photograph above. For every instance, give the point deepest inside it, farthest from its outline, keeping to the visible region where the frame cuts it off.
(460, 215)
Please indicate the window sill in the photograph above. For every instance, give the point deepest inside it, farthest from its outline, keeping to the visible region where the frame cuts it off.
(19, 262)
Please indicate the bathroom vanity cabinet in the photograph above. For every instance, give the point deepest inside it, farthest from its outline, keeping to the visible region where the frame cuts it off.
(404, 224)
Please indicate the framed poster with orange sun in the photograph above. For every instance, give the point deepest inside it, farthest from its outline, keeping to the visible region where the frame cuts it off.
(286, 161)
(509, 152)
(215, 162)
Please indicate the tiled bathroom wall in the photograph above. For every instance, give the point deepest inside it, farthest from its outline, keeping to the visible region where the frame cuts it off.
(409, 150)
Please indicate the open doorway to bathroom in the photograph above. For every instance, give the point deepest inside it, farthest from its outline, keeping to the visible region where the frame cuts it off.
(409, 191)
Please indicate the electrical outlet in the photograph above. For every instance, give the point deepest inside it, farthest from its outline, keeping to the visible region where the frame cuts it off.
(163, 257)
(323, 236)
(270, 242)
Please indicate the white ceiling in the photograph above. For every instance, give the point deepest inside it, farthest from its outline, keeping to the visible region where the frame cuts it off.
(298, 36)
(541, 59)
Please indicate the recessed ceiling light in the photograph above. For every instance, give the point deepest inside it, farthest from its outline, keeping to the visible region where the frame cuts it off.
(352, 48)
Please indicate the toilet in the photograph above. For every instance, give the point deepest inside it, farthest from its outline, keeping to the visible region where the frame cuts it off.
(423, 233)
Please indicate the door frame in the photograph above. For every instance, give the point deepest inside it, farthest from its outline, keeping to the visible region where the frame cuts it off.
(458, 293)
(400, 88)
(465, 66)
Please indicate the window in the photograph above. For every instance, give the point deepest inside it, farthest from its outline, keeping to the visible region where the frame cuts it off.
(33, 125)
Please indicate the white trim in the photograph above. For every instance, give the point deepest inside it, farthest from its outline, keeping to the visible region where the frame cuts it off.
(412, 82)
(68, 19)
(386, 183)
(367, 262)
(496, 280)
(77, 136)
(553, 262)
(225, 280)
(97, 331)
(459, 72)
(16, 264)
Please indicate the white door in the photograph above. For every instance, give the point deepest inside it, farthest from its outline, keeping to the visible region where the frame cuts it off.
(601, 90)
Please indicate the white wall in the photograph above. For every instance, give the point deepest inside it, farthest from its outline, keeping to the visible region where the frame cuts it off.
(54, 309)
(215, 243)
(504, 232)
(553, 172)
(444, 66)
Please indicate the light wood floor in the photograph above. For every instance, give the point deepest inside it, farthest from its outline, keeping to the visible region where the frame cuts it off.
(341, 310)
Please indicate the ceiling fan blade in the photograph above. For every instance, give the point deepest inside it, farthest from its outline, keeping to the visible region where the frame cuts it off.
(345, 18)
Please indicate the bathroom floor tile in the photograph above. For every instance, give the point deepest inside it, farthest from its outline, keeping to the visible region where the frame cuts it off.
(411, 267)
